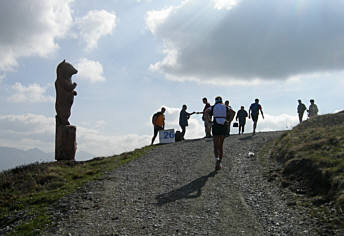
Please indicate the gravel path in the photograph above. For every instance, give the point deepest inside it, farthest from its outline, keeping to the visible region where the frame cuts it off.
(173, 190)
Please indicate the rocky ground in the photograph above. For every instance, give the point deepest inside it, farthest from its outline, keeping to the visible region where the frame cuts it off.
(174, 190)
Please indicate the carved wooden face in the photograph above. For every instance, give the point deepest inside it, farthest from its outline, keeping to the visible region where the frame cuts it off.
(65, 69)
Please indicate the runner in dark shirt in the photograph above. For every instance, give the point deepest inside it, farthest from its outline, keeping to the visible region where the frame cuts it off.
(254, 113)
(183, 119)
(241, 116)
(206, 119)
(301, 108)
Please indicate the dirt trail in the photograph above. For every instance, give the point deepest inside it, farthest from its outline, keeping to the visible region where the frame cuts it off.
(173, 190)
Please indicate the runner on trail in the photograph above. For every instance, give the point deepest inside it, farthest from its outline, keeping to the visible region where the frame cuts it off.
(229, 117)
(313, 109)
(301, 108)
(241, 115)
(254, 113)
(183, 119)
(158, 121)
(219, 112)
(206, 119)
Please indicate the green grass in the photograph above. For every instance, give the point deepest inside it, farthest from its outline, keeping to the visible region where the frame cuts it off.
(323, 147)
(27, 192)
(313, 154)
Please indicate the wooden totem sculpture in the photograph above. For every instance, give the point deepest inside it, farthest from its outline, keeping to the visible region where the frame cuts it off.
(65, 138)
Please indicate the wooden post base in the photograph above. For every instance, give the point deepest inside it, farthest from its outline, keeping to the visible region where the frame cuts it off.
(65, 141)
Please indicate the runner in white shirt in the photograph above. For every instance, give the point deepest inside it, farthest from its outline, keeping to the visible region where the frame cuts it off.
(219, 112)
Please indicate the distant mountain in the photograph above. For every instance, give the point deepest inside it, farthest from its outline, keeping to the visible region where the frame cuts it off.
(83, 156)
(12, 157)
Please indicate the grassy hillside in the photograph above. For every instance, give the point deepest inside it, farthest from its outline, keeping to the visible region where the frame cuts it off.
(26, 192)
(312, 158)
(312, 165)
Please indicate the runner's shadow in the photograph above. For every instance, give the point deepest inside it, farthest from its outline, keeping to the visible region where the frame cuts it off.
(245, 138)
(190, 190)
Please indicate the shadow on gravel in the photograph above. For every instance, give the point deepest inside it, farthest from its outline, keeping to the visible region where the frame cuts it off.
(191, 190)
(246, 138)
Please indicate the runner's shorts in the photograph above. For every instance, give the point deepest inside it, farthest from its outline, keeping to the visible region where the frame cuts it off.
(254, 117)
(218, 129)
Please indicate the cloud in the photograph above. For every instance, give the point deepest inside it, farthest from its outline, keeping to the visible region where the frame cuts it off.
(27, 124)
(225, 4)
(28, 131)
(90, 70)
(30, 28)
(31, 94)
(155, 18)
(214, 40)
(279, 122)
(100, 144)
(95, 25)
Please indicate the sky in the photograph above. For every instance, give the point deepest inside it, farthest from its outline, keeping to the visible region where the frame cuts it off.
(135, 56)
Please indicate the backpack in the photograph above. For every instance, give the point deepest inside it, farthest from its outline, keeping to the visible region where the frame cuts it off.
(155, 116)
(211, 113)
(178, 136)
(230, 115)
